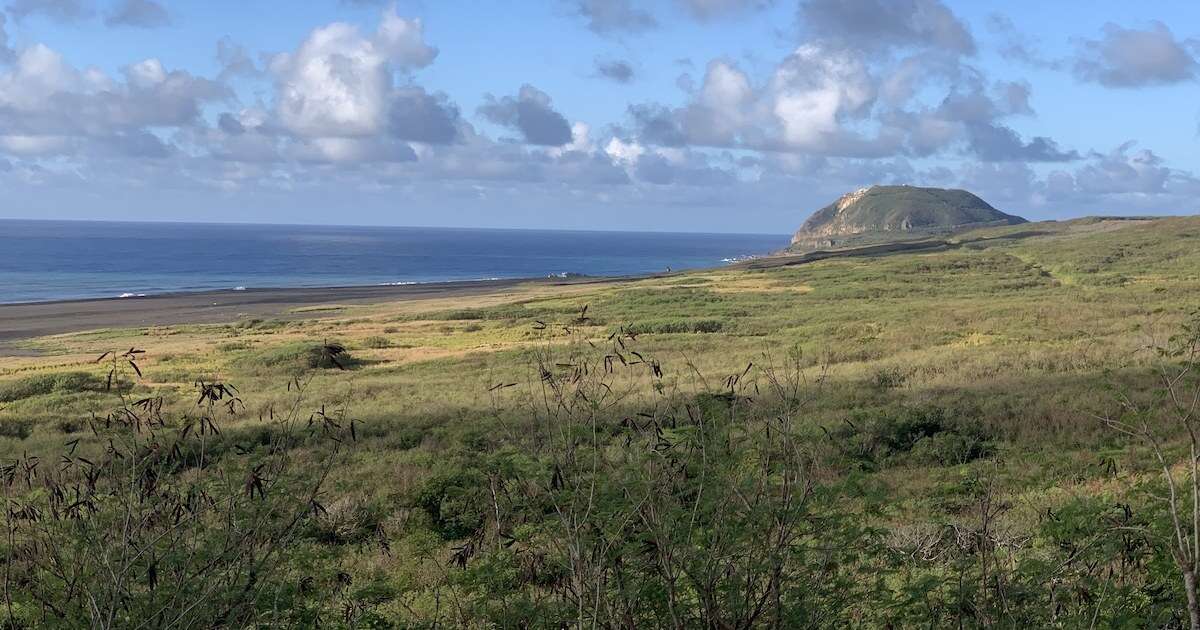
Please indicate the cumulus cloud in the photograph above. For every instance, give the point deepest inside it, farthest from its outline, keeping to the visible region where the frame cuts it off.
(1125, 170)
(1124, 180)
(656, 124)
(44, 100)
(235, 60)
(610, 17)
(337, 101)
(664, 168)
(530, 113)
(421, 117)
(721, 109)
(711, 9)
(1017, 46)
(230, 124)
(1129, 57)
(50, 109)
(615, 70)
(351, 150)
(60, 10)
(865, 86)
(812, 89)
(624, 152)
(339, 82)
(139, 13)
(999, 143)
(6, 54)
(802, 107)
(880, 24)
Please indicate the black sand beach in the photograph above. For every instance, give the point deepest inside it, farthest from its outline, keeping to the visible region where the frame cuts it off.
(26, 321)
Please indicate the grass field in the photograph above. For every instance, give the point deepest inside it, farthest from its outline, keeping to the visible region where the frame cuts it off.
(911, 439)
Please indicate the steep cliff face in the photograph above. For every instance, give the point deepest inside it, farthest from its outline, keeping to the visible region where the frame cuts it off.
(878, 211)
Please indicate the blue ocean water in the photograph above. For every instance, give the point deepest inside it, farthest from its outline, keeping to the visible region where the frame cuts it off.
(57, 260)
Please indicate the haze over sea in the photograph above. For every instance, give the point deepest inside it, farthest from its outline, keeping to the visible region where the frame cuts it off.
(60, 260)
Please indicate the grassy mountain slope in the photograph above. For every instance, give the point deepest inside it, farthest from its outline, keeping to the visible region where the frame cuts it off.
(896, 212)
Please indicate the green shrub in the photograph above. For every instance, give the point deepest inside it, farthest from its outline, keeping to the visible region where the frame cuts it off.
(707, 326)
(262, 324)
(346, 522)
(403, 438)
(675, 326)
(501, 312)
(949, 448)
(19, 429)
(927, 435)
(41, 384)
(886, 378)
(377, 342)
(454, 502)
(302, 355)
(461, 314)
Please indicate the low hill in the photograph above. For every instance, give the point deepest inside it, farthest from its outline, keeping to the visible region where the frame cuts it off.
(888, 213)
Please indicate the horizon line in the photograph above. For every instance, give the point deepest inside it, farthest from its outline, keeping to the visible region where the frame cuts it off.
(394, 226)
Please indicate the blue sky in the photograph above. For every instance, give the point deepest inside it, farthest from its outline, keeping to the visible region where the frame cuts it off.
(696, 115)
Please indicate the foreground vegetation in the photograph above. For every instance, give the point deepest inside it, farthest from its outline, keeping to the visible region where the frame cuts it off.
(992, 435)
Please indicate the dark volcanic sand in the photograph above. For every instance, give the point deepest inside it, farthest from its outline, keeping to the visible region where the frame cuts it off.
(25, 321)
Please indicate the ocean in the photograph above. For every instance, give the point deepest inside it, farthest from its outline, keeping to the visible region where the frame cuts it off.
(61, 260)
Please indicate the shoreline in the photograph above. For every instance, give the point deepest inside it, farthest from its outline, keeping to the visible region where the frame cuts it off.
(321, 287)
(29, 320)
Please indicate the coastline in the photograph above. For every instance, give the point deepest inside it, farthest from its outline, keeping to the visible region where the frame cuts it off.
(29, 320)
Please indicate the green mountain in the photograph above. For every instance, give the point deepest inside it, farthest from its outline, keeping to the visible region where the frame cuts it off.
(888, 213)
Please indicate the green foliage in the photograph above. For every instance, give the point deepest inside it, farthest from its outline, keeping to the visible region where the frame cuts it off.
(13, 428)
(669, 326)
(377, 342)
(55, 382)
(885, 378)
(454, 502)
(920, 435)
(348, 521)
(301, 356)
(504, 312)
(156, 528)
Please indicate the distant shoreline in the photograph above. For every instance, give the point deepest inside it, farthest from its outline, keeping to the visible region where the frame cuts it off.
(38, 319)
(29, 320)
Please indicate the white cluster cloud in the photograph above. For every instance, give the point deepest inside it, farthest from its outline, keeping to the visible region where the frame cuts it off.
(6, 53)
(532, 114)
(62, 10)
(813, 90)
(139, 14)
(880, 25)
(340, 83)
(608, 17)
(1131, 57)
(48, 106)
(860, 87)
(713, 9)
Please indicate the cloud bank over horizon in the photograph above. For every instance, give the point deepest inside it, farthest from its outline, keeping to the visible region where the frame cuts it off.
(365, 112)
